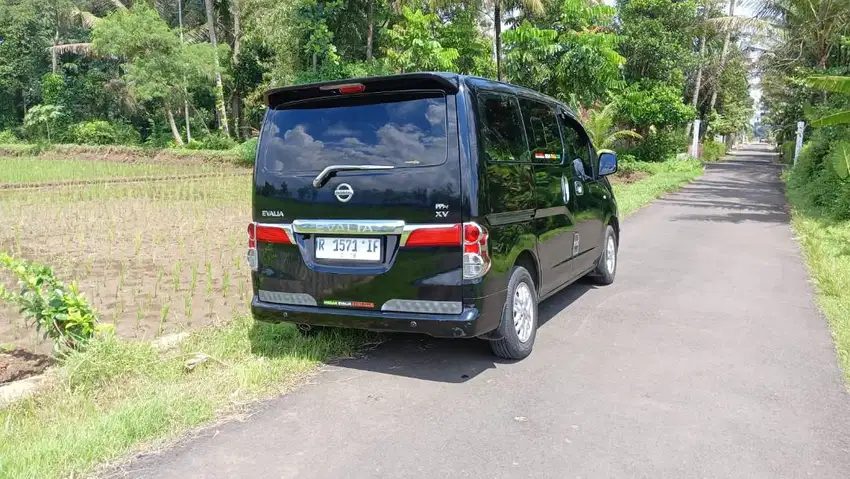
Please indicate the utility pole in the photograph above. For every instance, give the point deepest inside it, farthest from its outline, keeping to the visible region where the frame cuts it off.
(695, 141)
(801, 128)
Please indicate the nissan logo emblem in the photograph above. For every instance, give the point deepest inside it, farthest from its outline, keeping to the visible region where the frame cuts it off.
(344, 192)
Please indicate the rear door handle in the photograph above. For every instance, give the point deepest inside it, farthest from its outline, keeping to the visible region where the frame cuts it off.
(565, 189)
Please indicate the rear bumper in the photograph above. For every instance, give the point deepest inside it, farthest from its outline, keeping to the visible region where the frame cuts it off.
(468, 323)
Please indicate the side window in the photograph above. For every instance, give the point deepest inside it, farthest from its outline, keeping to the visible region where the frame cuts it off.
(541, 125)
(576, 144)
(502, 134)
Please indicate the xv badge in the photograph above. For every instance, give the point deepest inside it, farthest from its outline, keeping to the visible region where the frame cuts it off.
(441, 214)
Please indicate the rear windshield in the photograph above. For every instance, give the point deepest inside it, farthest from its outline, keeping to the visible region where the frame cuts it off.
(399, 129)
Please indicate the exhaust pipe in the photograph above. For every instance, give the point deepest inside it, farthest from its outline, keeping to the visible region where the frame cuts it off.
(304, 328)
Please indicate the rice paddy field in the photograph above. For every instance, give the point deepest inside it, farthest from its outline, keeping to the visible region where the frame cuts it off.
(157, 247)
(34, 170)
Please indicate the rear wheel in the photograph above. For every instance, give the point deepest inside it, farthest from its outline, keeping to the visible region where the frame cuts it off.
(518, 326)
(606, 268)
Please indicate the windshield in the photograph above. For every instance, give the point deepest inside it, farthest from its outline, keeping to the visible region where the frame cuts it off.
(399, 130)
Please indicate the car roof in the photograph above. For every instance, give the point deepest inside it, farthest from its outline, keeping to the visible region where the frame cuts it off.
(504, 87)
(447, 80)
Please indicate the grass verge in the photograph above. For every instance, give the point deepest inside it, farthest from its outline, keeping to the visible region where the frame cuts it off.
(664, 177)
(118, 396)
(826, 248)
(106, 401)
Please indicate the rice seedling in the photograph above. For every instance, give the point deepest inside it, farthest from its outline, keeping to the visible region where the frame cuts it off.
(163, 314)
(175, 275)
(194, 281)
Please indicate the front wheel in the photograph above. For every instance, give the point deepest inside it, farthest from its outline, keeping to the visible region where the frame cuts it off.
(606, 268)
(518, 326)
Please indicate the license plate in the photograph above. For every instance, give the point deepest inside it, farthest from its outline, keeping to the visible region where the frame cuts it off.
(354, 249)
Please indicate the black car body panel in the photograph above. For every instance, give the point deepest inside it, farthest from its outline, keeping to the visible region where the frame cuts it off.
(535, 208)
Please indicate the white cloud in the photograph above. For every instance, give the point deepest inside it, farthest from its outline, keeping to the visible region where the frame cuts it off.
(340, 130)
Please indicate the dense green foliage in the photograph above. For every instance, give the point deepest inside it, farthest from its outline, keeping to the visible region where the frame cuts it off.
(807, 77)
(183, 75)
(712, 150)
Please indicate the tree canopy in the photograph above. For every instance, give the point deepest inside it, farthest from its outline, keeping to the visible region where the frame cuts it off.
(193, 72)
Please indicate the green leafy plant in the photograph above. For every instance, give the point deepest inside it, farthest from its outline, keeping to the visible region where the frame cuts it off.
(835, 84)
(600, 127)
(644, 104)
(247, 151)
(99, 132)
(660, 145)
(58, 311)
(412, 44)
(8, 138)
(213, 141)
(713, 150)
(840, 156)
(44, 118)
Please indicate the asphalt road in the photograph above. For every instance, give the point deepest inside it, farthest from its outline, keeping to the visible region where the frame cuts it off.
(707, 358)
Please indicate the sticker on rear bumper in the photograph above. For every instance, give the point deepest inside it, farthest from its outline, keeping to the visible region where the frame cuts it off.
(348, 304)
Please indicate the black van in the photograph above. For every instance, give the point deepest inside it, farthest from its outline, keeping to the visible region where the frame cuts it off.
(426, 202)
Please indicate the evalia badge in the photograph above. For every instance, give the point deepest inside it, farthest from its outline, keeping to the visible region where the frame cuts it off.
(272, 214)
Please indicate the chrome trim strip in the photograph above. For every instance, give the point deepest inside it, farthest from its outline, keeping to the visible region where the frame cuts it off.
(422, 306)
(349, 227)
(354, 227)
(278, 297)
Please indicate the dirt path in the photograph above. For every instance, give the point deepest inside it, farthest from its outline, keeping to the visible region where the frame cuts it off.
(707, 358)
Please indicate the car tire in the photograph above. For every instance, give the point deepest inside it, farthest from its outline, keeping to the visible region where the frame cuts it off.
(606, 267)
(518, 326)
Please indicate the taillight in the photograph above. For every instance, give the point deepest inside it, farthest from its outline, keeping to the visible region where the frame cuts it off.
(252, 235)
(251, 256)
(272, 234)
(266, 234)
(472, 237)
(448, 235)
(476, 254)
(346, 89)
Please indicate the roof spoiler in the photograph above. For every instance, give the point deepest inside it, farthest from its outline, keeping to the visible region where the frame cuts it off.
(408, 81)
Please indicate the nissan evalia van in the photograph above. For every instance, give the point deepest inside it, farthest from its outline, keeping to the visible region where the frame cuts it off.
(426, 202)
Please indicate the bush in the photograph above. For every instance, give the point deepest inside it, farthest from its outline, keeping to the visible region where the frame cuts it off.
(59, 311)
(821, 179)
(645, 103)
(788, 152)
(99, 132)
(213, 141)
(9, 138)
(660, 145)
(247, 151)
(713, 150)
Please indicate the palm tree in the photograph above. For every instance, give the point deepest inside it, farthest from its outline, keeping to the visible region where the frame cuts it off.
(808, 28)
(723, 54)
(61, 13)
(834, 84)
(599, 124)
(531, 6)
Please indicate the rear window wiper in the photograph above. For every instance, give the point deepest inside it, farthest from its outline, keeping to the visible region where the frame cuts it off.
(331, 170)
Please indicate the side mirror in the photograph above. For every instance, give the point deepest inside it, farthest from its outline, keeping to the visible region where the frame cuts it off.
(607, 163)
